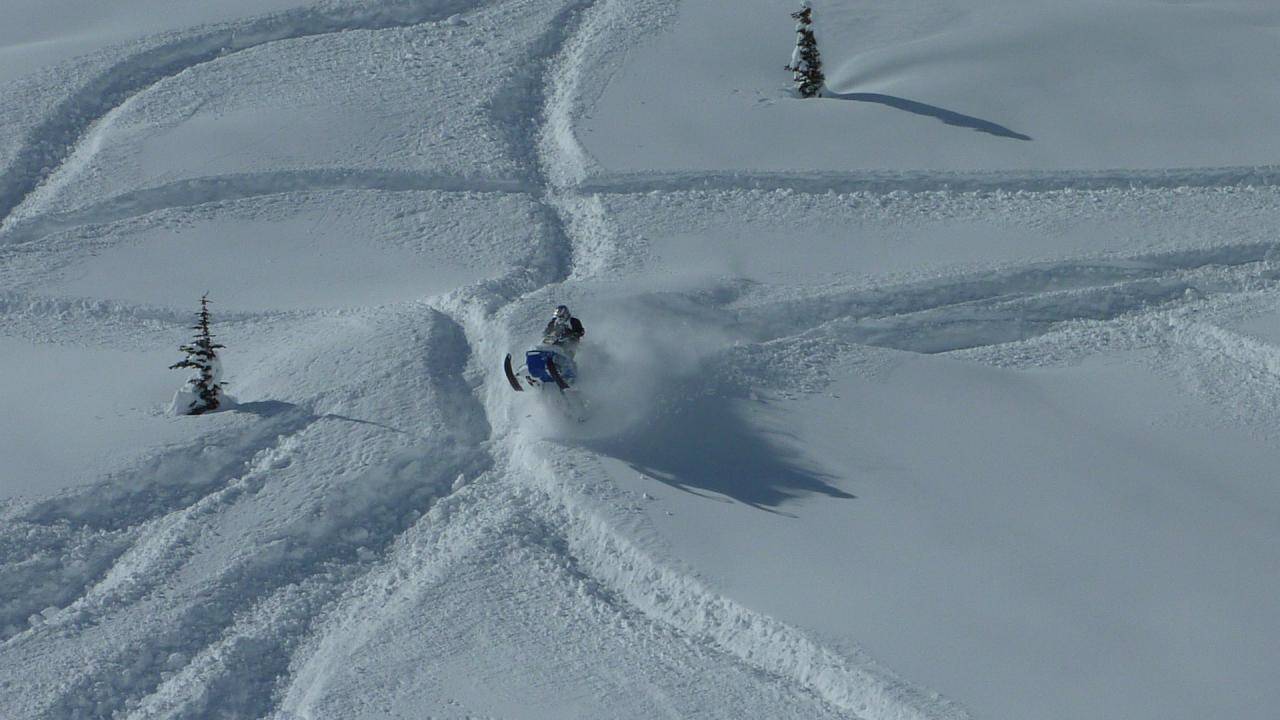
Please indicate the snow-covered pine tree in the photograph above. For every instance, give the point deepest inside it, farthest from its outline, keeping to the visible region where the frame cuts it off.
(203, 390)
(806, 64)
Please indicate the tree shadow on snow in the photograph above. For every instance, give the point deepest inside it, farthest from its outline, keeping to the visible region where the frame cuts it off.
(707, 446)
(266, 408)
(272, 408)
(950, 117)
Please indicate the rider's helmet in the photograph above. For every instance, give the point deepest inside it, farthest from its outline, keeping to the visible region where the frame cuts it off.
(561, 313)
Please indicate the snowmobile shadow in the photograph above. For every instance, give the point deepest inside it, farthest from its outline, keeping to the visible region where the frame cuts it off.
(708, 447)
(950, 117)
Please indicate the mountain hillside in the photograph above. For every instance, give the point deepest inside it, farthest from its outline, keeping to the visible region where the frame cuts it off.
(952, 393)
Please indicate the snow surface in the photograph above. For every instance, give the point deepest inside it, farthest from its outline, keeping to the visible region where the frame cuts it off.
(953, 394)
(950, 85)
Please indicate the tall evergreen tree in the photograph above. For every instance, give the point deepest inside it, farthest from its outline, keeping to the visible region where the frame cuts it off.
(806, 64)
(203, 391)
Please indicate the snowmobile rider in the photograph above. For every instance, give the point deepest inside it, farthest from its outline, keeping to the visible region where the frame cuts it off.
(564, 331)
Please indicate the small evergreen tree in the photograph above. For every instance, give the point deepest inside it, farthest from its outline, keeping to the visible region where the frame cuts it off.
(806, 64)
(203, 391)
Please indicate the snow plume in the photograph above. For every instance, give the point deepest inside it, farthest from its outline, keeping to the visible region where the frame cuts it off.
(639, 353)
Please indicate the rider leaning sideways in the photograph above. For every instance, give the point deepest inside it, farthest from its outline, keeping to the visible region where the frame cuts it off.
(564, 331)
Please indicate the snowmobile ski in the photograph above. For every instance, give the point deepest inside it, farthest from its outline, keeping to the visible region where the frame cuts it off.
(555, 374)
(511, 376)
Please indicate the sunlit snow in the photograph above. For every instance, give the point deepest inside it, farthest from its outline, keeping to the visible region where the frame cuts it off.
(953, 393)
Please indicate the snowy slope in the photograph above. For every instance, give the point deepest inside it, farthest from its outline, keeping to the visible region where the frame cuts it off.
(951, 85)
(956, 398)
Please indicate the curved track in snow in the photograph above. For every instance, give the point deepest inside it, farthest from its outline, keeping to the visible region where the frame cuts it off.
(53, 141)
(224, 188)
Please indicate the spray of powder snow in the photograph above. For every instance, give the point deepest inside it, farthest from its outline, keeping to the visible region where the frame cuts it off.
(637, 351)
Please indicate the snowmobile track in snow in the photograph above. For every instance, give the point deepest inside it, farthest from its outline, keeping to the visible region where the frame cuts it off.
(48, 145)
(15, 304)
(777, 650)
(1012, 305)
(226, 188)
(259, 615)
(885, 181)
(230, 634)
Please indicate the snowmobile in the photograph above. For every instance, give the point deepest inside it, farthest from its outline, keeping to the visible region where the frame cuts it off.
(544, 366)
(552, 361)
(550, 365)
